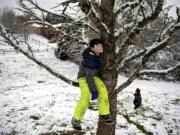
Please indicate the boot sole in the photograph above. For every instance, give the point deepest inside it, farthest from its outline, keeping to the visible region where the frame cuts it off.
(106, 122)
(76, 129)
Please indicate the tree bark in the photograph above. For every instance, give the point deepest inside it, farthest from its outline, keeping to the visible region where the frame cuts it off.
(109, 76)
(104, 129)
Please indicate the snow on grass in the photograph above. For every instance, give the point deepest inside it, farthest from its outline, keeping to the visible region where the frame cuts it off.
(160, 109)
(32, 101)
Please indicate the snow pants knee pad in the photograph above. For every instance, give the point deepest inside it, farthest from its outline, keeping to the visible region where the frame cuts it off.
(83, 103)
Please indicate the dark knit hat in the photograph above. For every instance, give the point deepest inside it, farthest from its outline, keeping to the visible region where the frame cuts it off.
(138, 90)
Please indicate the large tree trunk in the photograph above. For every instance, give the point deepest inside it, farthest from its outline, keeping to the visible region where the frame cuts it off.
(104, 129)
(109, 76)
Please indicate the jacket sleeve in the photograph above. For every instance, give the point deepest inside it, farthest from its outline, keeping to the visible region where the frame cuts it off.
(90, 73)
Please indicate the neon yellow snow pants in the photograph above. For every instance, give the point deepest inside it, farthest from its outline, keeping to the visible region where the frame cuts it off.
(83, 103)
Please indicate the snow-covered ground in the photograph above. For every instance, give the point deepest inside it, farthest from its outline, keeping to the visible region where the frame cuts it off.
(34, 102)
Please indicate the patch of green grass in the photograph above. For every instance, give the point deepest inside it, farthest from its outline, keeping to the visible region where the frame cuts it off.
(175, 120)
(141, 111)
(38, 124)
(140, 127)
(65, 133)
(170, 131)
(13, 132)
(23, 109)
(52, 133)
(146, 112)
(5, 105)
(176, 101)
(40, 81)
(166, 108)
(93, 106)
(158, 118)
(34, 117)
(63, 125)
(122, 126)
(9, 121)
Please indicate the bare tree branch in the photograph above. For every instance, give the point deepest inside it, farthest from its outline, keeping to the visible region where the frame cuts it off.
(174, 52)
(156, 47)
(178, 13)
(146, 55)
(129, 80)
(160, 72)
(42, 23)
(129, 58)
(162, 34)
(67, 2)
(130, 5)
(36, 6)
(10, 42)
(150, 5)
(107, 17)
(136, 30)
(160, 45)
(85, 7)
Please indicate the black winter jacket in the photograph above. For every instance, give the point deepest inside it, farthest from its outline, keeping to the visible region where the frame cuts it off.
(89, 68)
(90, 59)
(137, 100)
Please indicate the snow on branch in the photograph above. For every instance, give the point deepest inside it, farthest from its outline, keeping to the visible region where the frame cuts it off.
(147, 53)
(159, 45)
(36, 6)
(27, 10)
(8, 39)
(92, 27)
(65, 3)
(87, 9)
(160, 72)
(177, 25)
(152, 49)
(30, 10)
(129, 5)
(172, 50)
(155, 48)
(129, 58)
(42, 23)
(53, 27)
(136, 29)
(121, 30)
(96, 10)
(129, 80)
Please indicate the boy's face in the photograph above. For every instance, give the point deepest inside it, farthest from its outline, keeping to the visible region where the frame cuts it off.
(98, 48)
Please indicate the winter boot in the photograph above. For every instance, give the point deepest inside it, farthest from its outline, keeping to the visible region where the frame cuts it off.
(76, 124)
(106, 119)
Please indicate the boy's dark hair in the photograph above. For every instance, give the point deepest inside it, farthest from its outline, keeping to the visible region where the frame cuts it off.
(95, 42)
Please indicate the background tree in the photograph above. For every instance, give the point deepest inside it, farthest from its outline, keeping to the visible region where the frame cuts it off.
(8, 17)
(118, 23)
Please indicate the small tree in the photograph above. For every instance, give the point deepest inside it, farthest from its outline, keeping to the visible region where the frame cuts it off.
(8, 18)
(118, 23)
